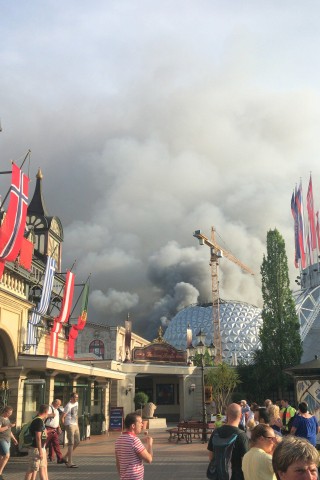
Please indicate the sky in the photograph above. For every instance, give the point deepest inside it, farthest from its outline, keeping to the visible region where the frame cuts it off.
(150, 120)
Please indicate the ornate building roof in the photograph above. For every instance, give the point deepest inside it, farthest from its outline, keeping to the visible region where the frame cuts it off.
(37, 205)
(48, 230)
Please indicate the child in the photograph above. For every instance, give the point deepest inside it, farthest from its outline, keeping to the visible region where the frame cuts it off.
(250, 426)
(219, 421)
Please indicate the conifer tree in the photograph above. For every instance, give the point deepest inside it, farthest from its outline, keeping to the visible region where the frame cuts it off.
(281, 345)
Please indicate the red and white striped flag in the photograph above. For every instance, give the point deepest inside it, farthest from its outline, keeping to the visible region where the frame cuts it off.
(64, 313)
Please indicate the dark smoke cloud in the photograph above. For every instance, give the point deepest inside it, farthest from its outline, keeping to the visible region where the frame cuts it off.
(152, 120)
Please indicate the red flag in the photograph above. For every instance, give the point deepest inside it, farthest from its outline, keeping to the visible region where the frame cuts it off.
(82, 320)
(12, 229)
(25, 257)
(2, 264)
(310, 208)
(309, 248)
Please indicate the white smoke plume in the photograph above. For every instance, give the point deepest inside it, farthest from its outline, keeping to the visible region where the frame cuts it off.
(113, 301)
(151, 120)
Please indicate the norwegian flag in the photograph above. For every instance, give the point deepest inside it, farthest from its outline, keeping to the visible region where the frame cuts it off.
(310, 208)
(64, 313)
(12, 229)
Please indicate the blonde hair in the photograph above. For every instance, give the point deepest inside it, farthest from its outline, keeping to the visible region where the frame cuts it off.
(250, 424)
(274, 411)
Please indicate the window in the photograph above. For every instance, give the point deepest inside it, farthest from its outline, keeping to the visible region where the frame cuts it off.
(165, 394)
(97, 347)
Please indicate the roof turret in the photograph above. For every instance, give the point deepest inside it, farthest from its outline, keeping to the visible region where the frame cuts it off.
(37, 205)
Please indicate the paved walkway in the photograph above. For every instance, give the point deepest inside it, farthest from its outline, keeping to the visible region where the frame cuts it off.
(96, 461)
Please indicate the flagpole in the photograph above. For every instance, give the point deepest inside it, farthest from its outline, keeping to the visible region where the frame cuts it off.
(10, 171)
(25, 158)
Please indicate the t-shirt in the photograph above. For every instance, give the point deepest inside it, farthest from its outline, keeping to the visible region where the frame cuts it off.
(6, 434)
(37, 425)
(53, 422)
(71, 411)
(306, 428)
(285, 414)
(257, 465)
(127, 448)
(241, 446)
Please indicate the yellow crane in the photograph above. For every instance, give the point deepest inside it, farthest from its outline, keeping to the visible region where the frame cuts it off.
(217, 252)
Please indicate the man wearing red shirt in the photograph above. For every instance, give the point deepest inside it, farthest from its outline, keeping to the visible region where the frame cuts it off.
(130, 451)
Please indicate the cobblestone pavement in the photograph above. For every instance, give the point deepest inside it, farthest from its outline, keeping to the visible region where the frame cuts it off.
(96, 461)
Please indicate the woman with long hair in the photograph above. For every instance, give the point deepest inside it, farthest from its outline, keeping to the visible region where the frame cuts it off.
(275, 420)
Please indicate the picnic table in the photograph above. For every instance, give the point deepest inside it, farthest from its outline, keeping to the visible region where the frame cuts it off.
(190, 430)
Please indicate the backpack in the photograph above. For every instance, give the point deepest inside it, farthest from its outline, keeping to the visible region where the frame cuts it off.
(25, 436)
(219, 467)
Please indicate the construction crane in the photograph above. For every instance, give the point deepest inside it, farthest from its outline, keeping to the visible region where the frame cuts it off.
(217, 252)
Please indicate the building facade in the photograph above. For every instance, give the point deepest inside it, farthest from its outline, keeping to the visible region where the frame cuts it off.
(103, 370)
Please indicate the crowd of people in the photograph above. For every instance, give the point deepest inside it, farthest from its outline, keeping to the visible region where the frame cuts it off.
(45, 430)
(273, 442)
(269, 442)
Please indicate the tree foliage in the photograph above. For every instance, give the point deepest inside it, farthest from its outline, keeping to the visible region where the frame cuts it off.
(280, 333)
(140, 399)
(223, 378)
(207, 360)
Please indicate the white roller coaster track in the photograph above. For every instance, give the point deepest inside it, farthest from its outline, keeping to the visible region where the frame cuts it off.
(308, 314)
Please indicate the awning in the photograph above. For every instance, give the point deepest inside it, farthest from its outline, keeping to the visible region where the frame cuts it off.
(58, 365)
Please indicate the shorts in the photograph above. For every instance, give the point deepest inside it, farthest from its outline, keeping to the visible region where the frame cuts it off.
(4, 447)
(73, 435)
(35, 463)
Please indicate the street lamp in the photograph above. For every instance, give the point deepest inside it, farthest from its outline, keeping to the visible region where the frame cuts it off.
(200, 349)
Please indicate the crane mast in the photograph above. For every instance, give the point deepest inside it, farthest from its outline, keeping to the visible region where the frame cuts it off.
(217, 252)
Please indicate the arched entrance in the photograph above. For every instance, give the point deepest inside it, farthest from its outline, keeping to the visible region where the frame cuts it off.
(7, 359)
(7, 354)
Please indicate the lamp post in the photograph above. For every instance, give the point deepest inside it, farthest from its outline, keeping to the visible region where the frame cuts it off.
(200, 349)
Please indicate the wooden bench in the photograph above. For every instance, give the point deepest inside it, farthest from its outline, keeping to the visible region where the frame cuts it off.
(196, 429)
(179, 433)
(173, 432)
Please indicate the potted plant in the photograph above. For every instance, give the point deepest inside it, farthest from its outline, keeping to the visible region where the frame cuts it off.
(140, 400)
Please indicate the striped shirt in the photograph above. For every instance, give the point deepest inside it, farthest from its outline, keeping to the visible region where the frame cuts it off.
(127, 448)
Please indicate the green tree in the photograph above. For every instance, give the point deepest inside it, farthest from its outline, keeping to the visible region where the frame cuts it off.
(280, 336)
(207, 360)
(223, 378)
(140, 400)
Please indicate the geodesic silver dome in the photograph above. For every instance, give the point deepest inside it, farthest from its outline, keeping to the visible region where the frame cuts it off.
(239, 323)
